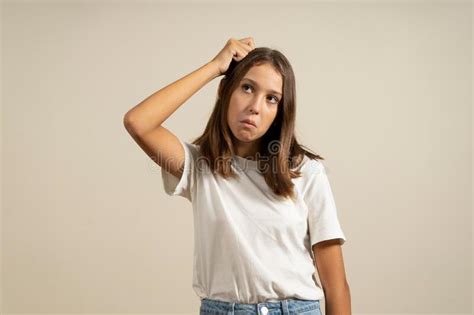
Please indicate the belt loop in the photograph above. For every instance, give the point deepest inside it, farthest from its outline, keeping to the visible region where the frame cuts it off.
(233, 308)
(284, 307)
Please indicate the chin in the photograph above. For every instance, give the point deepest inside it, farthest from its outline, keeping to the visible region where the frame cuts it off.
(245, 137)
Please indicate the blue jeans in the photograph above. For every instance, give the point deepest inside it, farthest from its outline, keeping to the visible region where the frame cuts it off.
(283, 307)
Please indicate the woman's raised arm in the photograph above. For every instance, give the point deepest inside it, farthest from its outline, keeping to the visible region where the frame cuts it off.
(143, 122)
(156, 108)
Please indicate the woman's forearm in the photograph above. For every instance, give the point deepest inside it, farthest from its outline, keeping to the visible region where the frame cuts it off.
(155, 109)
(338, 302)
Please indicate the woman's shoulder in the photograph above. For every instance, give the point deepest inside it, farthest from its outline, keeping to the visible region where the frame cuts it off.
(310, 169)
(310, 165)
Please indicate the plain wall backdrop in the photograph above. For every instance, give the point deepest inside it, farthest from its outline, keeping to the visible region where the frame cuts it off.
(383, 93)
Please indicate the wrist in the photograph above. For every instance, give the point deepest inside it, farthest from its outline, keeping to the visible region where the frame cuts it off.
(214, 68)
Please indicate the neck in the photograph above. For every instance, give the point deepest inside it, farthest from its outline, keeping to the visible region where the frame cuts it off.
(247, 150)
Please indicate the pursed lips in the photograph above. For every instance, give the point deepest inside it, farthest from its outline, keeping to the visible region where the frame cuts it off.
(248, 123)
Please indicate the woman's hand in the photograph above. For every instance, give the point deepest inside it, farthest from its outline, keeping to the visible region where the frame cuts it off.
(233, 49)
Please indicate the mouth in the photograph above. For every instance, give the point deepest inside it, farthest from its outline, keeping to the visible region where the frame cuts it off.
(247, 123)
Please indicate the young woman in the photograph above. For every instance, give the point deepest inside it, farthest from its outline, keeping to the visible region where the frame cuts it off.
(265, 219)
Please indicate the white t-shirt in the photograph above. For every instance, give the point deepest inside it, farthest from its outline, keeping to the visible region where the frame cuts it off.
(249, 246)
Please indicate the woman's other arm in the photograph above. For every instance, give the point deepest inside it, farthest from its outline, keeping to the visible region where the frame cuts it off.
(330, 266)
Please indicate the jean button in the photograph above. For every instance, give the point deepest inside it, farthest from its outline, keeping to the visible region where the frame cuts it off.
(264, 310)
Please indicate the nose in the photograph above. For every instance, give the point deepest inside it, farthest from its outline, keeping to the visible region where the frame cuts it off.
(254, 107)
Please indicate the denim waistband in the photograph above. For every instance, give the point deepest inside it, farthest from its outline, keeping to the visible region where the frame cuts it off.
(286, 307)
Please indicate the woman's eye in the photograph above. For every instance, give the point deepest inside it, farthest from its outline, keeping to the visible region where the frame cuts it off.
(276, 99)
(244, 86)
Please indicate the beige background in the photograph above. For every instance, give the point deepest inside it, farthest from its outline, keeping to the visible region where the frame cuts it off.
(383, 91)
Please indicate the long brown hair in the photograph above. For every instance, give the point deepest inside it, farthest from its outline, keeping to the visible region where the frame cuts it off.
(278, 145)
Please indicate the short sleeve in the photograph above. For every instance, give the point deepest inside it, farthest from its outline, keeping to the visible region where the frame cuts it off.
(183, 186)
(323, 222)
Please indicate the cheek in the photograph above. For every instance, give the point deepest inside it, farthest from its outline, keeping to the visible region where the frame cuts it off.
(271, 116)
(233, 110)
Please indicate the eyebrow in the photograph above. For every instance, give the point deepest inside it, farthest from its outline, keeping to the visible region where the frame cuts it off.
(273, 91)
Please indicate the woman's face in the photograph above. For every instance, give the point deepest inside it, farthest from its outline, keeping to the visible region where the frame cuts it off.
(256, 99)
